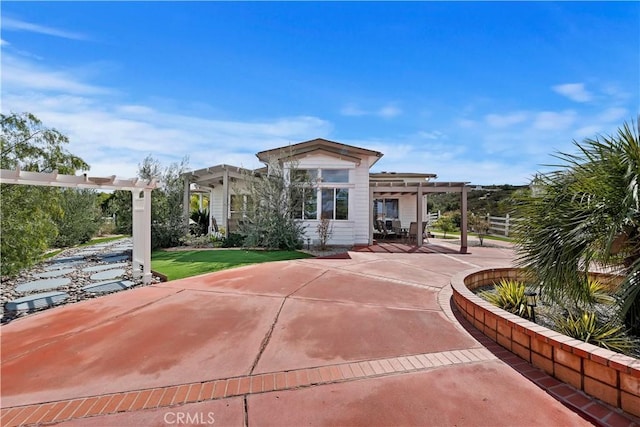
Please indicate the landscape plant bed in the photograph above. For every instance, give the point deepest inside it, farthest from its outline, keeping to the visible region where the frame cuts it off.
(606, 375)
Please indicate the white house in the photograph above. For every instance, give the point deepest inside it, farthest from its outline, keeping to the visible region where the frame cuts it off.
(346, 192)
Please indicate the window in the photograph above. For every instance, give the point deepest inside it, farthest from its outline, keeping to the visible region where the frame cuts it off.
(335, 175)
(239, 205)
(385, 208)
(335, 203)
(304, 175)
(331, 201)
(305, 205)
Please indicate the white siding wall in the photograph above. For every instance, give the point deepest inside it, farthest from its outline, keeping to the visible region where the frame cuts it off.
(355, 230)
(216, 205)
(359, 204)
(408, 211)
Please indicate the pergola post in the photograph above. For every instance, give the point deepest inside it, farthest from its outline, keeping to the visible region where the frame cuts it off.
(419, 216)
(186, 202)
(463, 220)
(211, 229)
(371, 218)
(225, 201)
(141, 224)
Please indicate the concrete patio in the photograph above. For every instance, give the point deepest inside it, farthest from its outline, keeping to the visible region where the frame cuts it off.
(369, 339)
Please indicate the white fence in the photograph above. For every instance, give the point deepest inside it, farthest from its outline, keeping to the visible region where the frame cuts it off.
(501, 225)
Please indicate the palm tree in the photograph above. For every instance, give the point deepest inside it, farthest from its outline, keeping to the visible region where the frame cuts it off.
(587, 213)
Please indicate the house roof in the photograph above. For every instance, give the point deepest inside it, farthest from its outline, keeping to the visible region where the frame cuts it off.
(392, 176)
(213, 175)
(320, 145)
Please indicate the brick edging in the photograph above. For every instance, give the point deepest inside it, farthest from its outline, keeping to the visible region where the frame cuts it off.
(57, 411)
(611, 377)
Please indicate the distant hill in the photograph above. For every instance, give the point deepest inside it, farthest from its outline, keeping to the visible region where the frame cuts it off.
(481, 199)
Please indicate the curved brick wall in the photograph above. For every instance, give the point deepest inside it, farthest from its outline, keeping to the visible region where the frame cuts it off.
(611, 377)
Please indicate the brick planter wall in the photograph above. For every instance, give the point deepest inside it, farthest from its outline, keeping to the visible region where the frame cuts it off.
(611, 377)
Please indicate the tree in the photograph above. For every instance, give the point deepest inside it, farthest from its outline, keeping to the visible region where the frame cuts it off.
(168, 223)
(28, 214)
(480, 226)
(445, 223)
(587, 213)
(275, 199)
(81, 217)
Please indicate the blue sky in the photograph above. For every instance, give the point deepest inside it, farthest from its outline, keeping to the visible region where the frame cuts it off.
(471, 91)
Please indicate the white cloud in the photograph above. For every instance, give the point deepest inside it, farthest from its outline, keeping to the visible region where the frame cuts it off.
(113, 137)
(352, 110)
(551, 120)
(434, 135)
(4, 42)
(10, 24)
(614, 114)
(386, 112)
(574, 91)
(389, 111)
(18, 74)
(505, 120)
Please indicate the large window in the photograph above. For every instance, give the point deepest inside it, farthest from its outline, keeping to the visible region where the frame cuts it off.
(330, 200)
(335, 203)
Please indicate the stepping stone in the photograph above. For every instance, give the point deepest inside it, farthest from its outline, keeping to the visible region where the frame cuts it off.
(108, 274)
(115, 258)
(43, 285)
(104, 267)
(108, 286)
(55, 273)
(74, 258)
(86, 253)
(31, 302)
(61, 265)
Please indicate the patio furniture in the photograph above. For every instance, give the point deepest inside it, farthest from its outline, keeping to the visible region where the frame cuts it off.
(382, 228)
(413, 233)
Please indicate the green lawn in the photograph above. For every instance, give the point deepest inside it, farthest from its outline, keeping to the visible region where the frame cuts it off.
(181, 264)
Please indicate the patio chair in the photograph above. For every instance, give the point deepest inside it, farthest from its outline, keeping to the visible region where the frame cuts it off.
(385, 232)
(413, 233)
(412, 236)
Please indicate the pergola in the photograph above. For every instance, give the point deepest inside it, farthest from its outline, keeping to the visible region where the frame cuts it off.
(141, 211)
(209, 178)
(386, 188)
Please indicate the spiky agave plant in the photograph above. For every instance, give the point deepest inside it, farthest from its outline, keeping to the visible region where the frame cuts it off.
(585, 326)
(508, 295)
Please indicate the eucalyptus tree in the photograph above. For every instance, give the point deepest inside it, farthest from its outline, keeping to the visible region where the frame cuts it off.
(586, 214)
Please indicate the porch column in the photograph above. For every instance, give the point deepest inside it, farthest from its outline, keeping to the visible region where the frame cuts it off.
(141, 230)
(419, 215)
(463, 220)
(186, 202)
(225, 202)
(371, 202)
(211, 230)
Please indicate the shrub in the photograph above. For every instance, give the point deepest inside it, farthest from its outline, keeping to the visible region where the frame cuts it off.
(201, 222)
(586, 327)
(80, 219)
(445, 224)
(508, 295)
(233, 240)
(325, 230)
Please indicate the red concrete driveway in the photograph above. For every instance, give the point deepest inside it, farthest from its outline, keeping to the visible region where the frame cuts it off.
(369, 340)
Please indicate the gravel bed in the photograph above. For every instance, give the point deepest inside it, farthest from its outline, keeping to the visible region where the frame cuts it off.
(90, 256)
